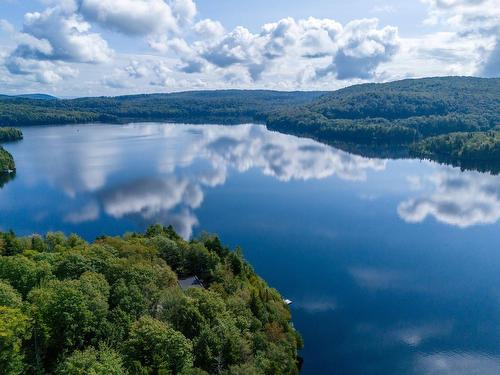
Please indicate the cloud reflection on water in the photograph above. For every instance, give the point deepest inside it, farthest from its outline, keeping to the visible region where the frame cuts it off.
(457, 198)
(207, 155)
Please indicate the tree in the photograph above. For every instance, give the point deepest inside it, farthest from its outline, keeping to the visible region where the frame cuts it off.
(14, 328)
(68, 314)
(157, 348)
(9, 296)
(102, 361)
(23, 273)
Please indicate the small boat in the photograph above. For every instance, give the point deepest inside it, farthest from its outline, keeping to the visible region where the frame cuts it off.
(288, 301)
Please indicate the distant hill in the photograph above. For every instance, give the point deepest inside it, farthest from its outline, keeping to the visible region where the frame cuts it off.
(29, 96)
(219, 106)
(397, 112)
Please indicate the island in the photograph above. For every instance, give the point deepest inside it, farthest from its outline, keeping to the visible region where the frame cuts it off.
(148, 303)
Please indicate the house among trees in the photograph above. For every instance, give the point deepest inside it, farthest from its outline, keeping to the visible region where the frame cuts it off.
(190, 282)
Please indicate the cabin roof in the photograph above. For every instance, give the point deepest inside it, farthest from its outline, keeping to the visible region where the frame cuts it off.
(190, 282)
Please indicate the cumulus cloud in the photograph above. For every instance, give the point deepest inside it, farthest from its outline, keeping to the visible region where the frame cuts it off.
(46, 72)
(50, 40)
(478, 20)
(131, 17)
(355, 50)
(136, 69)
(363, 47)
(462, 199)
(208, 29)
(56, 35)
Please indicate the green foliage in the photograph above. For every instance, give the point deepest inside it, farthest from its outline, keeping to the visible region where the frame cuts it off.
(469, 150)
(10, 134)
(397, 112)
(6, 161)
(14, 327)
(7, 164)
(104, 361)
(9, 296)
(225, 106)
(156, 348)
(115, 307)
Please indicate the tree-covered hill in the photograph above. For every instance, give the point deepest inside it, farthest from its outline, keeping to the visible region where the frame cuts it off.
(29, 96)
(223, 106)
(115, 307)
(399, 112)
(479, 150)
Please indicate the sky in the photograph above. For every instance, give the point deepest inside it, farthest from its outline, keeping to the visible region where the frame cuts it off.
(74, 48)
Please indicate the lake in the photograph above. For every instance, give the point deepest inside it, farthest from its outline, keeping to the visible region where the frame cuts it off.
(393, 266)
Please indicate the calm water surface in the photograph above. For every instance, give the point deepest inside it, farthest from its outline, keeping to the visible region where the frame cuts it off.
(393, 266)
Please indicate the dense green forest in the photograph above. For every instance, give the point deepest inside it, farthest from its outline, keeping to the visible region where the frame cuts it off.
(399, 112)
(10, 134)
(115, 307)
(6, 162)
(479, 150)
(224, 106)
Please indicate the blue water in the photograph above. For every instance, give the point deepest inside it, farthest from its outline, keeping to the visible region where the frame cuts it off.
(393, 266)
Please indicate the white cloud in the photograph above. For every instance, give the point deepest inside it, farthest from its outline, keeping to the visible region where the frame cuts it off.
(68, 35)
(208, 29)
(354, 51)
(184, 11)
(363, 47)
(131, 17)
(136, 70)
(46, 72)
(477, 20)
(49, 41)
(459, 37)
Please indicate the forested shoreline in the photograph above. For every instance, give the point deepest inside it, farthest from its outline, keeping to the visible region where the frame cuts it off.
(218, 107)
(478, 151)
(115, 307)
(388, 116)
(7, 164)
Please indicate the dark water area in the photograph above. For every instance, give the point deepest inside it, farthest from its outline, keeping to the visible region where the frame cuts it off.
(393, 266)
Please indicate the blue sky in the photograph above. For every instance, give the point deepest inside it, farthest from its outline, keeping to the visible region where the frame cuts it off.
(112, 47)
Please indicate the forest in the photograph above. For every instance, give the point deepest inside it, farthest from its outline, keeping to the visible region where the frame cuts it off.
(222, 107)
(399, 112)
(115, 307)
(10, 134)
(478, 150)
(7, 164)
(388, 115)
